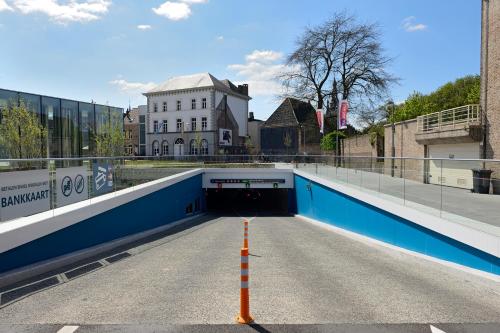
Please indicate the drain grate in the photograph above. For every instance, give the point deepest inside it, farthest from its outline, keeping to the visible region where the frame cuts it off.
(82, 270)
(12, 295)
(118, 257)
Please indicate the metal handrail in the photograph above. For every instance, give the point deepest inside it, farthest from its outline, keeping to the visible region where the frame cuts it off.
(449, 118)
(203, 158)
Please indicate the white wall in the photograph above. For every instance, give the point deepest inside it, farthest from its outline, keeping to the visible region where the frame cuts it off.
(186, 112)
(239, 107)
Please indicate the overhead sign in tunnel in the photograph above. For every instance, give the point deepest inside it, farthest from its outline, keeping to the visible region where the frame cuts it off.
(248, 178)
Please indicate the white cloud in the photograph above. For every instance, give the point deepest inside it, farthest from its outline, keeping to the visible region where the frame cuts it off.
(144, 27)
(72, 11)
(133, 87)
(174, 11)
(220, 38)
(410, 24)
(4, 6)
(264, 56)
(260, 71)
(194, 1)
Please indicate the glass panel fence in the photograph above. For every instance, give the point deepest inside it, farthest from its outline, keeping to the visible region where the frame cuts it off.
(447, 188)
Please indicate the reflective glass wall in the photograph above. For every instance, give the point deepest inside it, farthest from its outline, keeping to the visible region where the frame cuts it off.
(71, 125)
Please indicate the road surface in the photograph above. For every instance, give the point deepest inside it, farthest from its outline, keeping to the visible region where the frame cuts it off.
(299, 274)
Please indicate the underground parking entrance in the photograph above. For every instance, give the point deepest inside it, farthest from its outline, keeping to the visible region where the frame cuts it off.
(260, 201)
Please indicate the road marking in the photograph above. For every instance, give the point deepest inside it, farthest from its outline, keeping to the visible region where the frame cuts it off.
(68, 329)
(436, 330)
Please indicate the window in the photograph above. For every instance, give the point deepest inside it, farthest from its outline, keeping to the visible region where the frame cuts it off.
(204, 123)
(193, 124)
(193, 148)
(164, 106)
(155, 126)
(155, 107)
(129, 150)
(164, 148)
(156, 148)
(179, 105)
(165, 126)
(204, 147)
(179, 125)
(193, 104)
(204, 103)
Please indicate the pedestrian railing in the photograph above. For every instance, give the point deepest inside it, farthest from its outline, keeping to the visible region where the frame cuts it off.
(456, 118)
(449, 188)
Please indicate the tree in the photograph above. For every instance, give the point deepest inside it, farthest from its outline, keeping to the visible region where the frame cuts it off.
(110, 140)
(463, 91)
(250, 146)
(339, 57)
(329, 141)
(197, 142)
(22, 135)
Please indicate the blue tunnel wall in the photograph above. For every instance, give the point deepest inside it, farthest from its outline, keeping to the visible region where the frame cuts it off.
(329, 206)
(148, 212)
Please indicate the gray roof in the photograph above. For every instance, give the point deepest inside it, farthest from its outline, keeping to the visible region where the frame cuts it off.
(195, 81)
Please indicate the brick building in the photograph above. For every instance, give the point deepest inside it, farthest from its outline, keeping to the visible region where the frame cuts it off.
(490, 78)
(292, 129)
(132, 129)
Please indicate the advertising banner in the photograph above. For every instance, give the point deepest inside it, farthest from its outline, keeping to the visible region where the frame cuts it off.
(225, 137)
(102, 177)
(23, 193)
(343, 109)
(321, 120)
(71, 185)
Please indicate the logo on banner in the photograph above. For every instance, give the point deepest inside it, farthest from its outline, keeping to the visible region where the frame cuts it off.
(67, 186)
(225, 137)
(103, 178)
(343, 109)
(321, 120)
(71, 185)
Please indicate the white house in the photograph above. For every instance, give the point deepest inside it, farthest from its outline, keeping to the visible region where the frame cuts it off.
(196, 115)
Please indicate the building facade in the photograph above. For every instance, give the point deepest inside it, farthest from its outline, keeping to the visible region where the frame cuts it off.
(196, 115)
(292, 129)
(254, 126)
(490, 80)
(134, 129)
(72, 125)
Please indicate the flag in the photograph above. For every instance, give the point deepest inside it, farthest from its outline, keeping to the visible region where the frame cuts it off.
(321, 120)
(342, 117)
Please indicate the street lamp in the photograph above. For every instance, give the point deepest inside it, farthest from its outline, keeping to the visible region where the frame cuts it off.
(390, 105)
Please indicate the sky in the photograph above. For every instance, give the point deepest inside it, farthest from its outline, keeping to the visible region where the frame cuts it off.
(111, 51)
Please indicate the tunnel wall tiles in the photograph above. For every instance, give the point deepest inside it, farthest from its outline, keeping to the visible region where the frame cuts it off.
(332, 207)
(148, 212)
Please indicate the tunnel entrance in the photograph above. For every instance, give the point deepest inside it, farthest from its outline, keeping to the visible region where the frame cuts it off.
(262, 201)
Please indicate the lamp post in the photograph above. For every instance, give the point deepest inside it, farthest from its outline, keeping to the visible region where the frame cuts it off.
(390, 107)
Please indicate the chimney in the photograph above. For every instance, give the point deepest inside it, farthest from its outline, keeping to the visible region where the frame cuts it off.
(243, 89)
(251, 116)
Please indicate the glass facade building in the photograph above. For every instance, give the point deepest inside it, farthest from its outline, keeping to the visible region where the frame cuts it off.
(71, 124)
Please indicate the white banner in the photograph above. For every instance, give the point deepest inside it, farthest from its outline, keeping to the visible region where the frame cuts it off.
(23, 193)
(225, 137)
(71, 185)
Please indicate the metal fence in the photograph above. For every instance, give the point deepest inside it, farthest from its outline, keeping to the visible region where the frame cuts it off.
(460, 117)
(442, 187)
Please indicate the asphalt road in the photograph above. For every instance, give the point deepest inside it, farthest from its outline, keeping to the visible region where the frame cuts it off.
(299, 274)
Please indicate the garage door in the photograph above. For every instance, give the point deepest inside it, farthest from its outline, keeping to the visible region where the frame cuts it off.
(454, 173)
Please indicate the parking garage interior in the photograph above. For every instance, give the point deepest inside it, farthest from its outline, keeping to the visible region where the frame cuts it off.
(260, 201)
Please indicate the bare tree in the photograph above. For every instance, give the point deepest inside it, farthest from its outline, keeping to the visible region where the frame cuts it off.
(342, 58)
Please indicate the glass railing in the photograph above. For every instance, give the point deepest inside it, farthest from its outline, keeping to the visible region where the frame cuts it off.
(447, 188)
(460, 190)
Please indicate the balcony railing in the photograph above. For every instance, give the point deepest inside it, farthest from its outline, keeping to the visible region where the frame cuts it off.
(457, 118)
